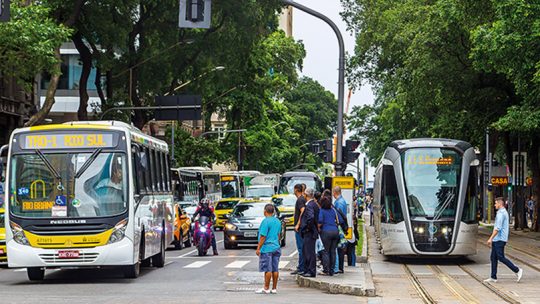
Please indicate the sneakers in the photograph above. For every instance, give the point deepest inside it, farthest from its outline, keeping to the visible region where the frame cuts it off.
(263, 291)
(274, 291)
(519, 274)
(490, 280)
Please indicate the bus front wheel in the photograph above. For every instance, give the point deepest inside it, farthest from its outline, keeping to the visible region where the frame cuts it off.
(35, 273)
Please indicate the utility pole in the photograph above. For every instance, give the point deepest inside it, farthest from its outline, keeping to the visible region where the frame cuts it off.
(339, 165)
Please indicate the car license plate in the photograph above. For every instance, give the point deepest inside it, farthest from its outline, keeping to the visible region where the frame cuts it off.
(250, 234)
(68, 254)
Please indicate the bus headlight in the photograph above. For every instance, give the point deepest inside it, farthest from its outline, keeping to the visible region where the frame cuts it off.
(119, 232)
(18, 234)
(231, 227)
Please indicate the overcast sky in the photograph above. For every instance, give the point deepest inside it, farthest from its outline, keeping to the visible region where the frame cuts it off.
(321, 62)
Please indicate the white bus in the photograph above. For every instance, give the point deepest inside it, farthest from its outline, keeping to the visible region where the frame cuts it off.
(87, 194)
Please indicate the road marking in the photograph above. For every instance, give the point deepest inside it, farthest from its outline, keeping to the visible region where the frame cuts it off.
(293, 254)
(197, 264)
(169, 263)
(20, 270)
(282, 264)
(193, 251)
(237, 264)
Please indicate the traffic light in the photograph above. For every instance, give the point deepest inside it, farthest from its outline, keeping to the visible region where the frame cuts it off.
(323, 148)
(349, 155)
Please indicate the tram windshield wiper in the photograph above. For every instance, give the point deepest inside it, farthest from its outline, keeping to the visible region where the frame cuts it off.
(51, 168)
(444, 206)
(88, 162)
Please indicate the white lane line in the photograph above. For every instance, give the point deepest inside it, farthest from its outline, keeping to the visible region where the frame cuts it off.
(197, 264)
(293, 254)
(282, 264)
(237, 264)
(193, 251)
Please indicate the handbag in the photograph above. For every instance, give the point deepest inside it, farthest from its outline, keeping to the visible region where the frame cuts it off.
(342, 240)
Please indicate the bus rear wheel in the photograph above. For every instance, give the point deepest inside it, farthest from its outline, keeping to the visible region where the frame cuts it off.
(35, 273)
(158, 260)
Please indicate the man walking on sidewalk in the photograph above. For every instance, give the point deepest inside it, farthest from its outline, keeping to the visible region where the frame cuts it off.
(498, 240)
(310, 233)
(298, 210)
(269, 249)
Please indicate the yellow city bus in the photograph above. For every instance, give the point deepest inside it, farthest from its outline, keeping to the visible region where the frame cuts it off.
(87, 194)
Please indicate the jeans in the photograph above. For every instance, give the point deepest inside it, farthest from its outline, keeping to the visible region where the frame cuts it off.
(497, 254)
(300, 248)
(330, 240)
(351, 254)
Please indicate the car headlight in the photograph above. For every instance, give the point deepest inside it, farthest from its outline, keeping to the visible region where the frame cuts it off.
(18, 234)
(230, 226)
(202, 229)
(119, 232)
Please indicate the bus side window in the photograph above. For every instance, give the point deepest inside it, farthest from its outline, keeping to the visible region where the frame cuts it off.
(167, 172)
(163, 172)
(153, 180)
(159, 180)
(138, 170)
(145, 161)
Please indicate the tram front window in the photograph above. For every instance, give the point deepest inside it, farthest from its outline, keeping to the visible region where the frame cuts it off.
(432, 179)
(68, 185)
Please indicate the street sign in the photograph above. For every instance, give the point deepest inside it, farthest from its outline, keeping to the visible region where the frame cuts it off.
(499, 180)
(195, 14)
(4, 10)
(178, 114)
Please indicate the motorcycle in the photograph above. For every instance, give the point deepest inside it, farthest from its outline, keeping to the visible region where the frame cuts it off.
(202, 235)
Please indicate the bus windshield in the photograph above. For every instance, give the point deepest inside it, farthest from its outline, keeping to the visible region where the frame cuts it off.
(286, 186)
(230, 186)
(431, 180)
(97, 189)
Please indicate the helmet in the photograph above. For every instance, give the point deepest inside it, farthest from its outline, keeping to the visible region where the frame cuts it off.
(205, 203)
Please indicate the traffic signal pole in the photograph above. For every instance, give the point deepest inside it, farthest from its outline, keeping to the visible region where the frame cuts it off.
(339, 166)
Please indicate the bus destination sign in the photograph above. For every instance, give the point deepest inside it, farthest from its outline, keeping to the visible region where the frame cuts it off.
(66, 140)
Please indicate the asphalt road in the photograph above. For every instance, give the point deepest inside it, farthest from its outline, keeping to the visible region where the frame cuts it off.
(231, 277)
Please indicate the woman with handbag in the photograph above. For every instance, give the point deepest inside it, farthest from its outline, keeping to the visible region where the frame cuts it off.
(329, 221)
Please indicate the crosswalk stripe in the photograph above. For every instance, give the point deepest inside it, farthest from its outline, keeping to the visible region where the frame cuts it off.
(197, 264)
(282, 264)
(237, 264)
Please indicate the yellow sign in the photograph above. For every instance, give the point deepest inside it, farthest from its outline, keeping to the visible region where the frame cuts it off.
(499, 180)
(63, 141)
(529, 181)
(345, 182)
(37, 206)
(429, 160)
(227, 178)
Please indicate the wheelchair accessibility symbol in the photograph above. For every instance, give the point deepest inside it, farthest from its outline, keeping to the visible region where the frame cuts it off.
(60, 200)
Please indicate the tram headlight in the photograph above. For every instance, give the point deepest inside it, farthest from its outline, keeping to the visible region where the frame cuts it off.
(421, 230)
(445, 230)
(18, 234)
(119, 232)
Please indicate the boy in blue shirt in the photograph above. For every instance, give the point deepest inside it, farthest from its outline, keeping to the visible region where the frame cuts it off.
(269, 249)
(498, 240)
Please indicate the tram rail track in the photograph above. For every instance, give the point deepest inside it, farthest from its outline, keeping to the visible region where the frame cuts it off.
(519, 259)
(501, 294)
(418, 286)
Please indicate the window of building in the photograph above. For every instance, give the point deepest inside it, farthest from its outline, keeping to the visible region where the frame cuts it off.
(71, 69)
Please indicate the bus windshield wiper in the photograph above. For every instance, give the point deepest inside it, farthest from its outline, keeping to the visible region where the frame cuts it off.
(88, 162)
(51, 168)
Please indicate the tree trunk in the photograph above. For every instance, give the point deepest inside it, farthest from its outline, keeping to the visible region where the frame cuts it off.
(49, 97)
(86, 59)
(535, 168)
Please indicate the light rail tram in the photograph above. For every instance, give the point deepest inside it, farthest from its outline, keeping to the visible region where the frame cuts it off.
(425, 199)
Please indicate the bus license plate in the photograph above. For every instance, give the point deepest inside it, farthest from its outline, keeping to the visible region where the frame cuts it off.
(68, 254)
(250, 234)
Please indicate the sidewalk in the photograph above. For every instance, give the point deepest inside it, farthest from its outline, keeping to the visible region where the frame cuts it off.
(356, 281)
(523, 233)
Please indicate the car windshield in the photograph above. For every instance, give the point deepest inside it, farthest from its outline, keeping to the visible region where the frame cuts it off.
(226, 205)
(249, 210)
(287, 201)
(287, 184)
(431, 179)
(98, 190)
(260, 192)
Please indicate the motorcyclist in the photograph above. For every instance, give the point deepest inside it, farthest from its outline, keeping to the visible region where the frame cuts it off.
(204, 209)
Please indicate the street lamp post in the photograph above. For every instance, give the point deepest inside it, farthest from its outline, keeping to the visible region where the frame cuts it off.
(341, 80)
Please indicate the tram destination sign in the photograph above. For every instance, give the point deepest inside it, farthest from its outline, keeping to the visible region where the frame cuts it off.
(66, 140)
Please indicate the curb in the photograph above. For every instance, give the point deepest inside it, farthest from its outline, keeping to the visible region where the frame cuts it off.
(363, 258)
(333, 288)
